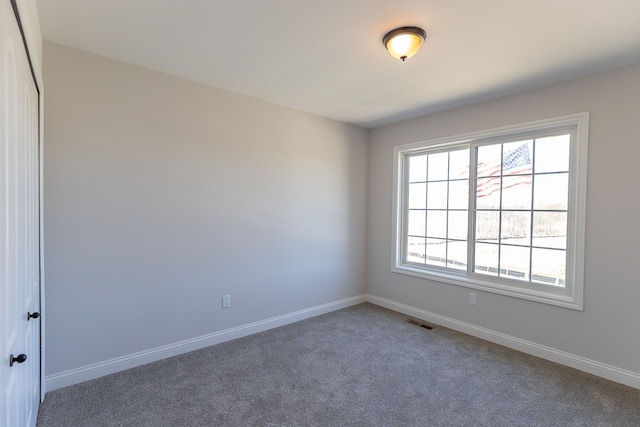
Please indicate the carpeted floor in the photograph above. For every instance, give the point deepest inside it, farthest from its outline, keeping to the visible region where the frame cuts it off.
(361, 366)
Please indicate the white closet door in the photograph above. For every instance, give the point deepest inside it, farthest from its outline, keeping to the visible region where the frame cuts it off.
(20, 245)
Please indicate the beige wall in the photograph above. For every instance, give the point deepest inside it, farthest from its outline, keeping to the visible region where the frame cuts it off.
(607, 330)
(162, 195)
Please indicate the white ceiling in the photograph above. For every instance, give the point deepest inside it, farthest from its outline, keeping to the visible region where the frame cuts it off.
(326, 56)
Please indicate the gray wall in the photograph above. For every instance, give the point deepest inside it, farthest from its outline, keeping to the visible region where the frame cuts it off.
(607, 330)
(162, 195)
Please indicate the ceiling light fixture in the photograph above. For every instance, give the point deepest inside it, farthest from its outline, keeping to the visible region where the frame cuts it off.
(404, 42)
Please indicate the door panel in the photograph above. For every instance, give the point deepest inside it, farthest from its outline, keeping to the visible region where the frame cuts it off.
(19, 210)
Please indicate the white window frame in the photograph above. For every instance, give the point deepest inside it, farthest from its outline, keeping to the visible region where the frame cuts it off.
(571, 296)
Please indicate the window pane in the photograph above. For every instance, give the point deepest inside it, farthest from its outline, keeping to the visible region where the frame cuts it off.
(516, 228)
(417, 196)
(416, 249)
(489, 160)
(418, 168)
(487, 225)
(516, 159)
(457, 254)
(488, 193)
(505, 218)
(552, 154)
(416, 223)
(486, 259)
(438, 166)
(437, 195)
(551, 191)
(516, 192)
(548, 266)
(514, 262)
(459, 164)
(458, 224)
(458, 194)
(550, 229)
(436, 252)
(437, 224)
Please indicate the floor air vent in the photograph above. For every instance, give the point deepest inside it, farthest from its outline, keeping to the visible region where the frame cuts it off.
(419, 323)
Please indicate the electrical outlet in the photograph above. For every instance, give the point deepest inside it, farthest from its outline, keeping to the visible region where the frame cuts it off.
(226, 301)
(472, 298)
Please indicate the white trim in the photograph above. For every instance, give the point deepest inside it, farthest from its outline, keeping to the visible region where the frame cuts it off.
(96, 370)
(500, 132)
(603, 370)
(42, 275)
(476, 282)
(572, 296)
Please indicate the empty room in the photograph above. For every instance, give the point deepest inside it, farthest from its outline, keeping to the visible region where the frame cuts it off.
(320, 213)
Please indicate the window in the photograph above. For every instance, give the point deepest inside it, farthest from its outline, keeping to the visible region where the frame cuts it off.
(500, 210)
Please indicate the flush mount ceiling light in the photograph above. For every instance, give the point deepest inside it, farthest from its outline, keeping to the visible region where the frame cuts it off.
(404, 42)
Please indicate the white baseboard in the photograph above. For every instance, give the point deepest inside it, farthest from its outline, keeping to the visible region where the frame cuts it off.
(96, 370)
(603, 370)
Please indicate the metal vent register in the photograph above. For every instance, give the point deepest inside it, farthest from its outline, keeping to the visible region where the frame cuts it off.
(419, 323)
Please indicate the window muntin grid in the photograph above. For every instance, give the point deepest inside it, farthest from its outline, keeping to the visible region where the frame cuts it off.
(437, 214)
(547, 225)
(521, 210)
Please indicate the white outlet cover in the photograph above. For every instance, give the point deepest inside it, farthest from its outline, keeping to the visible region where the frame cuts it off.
(472, 298)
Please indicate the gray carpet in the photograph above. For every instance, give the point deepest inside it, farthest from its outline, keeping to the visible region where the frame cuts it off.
(361, 366)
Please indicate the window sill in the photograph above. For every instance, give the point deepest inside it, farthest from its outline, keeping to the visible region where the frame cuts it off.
(557, 298)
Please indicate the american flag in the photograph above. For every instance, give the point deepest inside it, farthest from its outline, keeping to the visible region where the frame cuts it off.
(514, 162)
